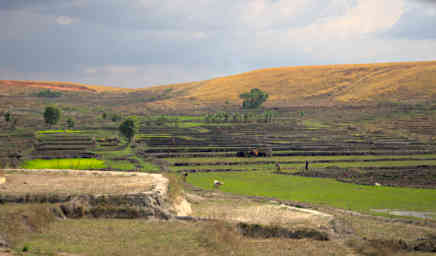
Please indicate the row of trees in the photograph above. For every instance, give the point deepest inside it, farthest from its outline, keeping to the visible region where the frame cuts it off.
(236, 117)
(52, 115)
(253, 99)
(49, 94)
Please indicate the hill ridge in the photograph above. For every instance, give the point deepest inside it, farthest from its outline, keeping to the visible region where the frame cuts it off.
(408, 82)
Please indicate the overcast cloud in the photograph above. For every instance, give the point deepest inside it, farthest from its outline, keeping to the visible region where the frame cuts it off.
(138, 43)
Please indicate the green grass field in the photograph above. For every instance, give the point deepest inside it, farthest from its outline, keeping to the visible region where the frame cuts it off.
(57, 131)
(119, 164)
(66, 163)
(257, 167)
(320, 191)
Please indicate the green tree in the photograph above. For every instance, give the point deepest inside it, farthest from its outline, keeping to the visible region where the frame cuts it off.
(128, 129)
(208, 118)
(70, 123)
(104, 115)
(226, 116)
(52, 115)
(116, 118)
(7, 117)
(253, 99)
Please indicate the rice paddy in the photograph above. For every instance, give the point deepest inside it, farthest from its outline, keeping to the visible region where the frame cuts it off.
(68, 163)
(327, 192)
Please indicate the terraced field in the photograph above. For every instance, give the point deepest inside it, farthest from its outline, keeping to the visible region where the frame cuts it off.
(63, 149)
(336, 152)
(321, 146)
(333, 144)
(63, 145)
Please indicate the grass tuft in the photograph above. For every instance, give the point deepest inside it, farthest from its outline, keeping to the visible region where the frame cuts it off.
(16, 221)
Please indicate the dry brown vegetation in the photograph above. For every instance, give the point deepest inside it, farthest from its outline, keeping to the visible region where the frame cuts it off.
(317, 85)
(33, 226)
(62, 86)
(411, 82)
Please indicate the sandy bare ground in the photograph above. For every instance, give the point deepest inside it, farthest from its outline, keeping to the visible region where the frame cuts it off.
(245, 210)
(5, 252)
(80, 182)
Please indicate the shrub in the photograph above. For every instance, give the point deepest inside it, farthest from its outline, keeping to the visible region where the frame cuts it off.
(49, 94)
(128, 129)
(253, 99)
(7, 117)
(52, 115)
(116, 118)
(70, 123)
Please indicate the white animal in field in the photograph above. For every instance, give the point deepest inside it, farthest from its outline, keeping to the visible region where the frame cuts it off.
(217, 183)
(377, 184)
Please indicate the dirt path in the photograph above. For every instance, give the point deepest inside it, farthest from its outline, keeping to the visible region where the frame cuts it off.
(216, 205)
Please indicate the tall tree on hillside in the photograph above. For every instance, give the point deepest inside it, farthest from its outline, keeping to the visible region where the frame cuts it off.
(253, 99)
(52, 115)
(128, 129)
(7, 117)
(70, 123)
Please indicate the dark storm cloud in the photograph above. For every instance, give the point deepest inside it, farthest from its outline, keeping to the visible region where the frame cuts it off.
(427, 1)
(138, 42)
(417, 23)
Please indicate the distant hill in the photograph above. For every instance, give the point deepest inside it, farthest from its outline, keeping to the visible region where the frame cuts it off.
(60, 86)
(407, 82)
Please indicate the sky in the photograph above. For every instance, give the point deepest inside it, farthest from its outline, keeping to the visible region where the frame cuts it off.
(140, 43)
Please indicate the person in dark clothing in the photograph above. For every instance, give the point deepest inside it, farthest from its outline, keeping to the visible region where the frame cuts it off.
(277, 166)
(307, 165)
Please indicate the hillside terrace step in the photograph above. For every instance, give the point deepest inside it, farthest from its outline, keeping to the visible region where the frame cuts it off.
(63, 137)
(60, 148)
(65, 155)
(64, 140)
(73, 143)
(289, 154)
(298, 162)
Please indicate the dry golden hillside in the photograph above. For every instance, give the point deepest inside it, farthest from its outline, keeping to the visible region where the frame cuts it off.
(63, 86)
(407, 82)
(315, 85)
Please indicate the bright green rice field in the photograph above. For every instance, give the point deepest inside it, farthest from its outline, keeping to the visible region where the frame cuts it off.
(65, 163)
(320, 191)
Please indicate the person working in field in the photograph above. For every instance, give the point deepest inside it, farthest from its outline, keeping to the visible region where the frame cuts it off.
(278, 166)
(184, 176)
(217, 183)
